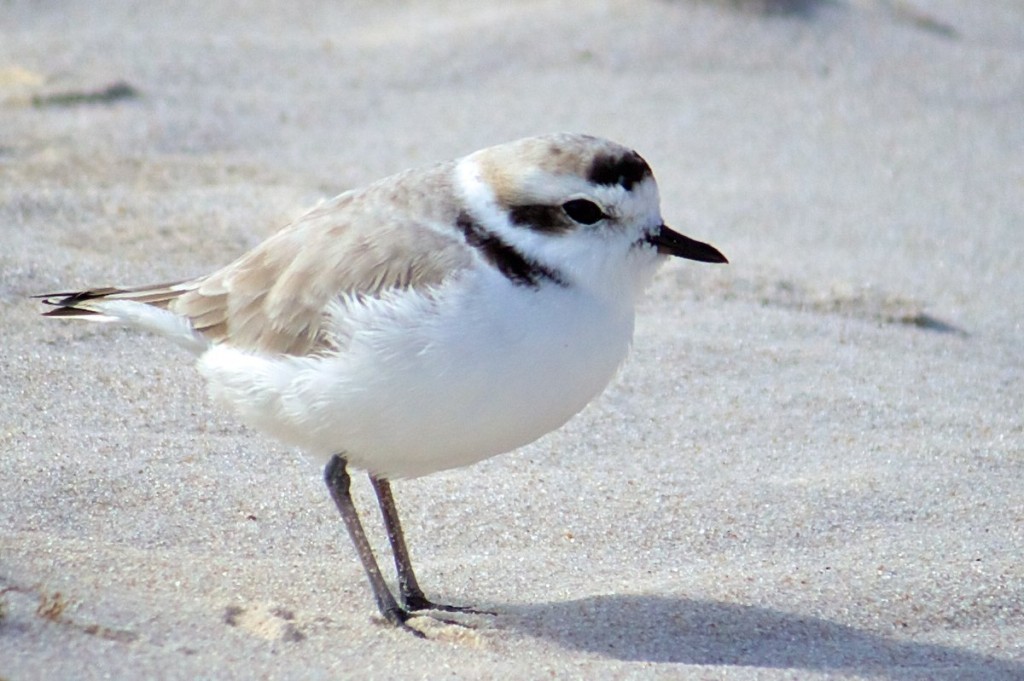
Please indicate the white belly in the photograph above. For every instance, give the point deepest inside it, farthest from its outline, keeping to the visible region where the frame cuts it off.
(427, 384)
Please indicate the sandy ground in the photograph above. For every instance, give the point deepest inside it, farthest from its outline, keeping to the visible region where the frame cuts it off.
(809, 468)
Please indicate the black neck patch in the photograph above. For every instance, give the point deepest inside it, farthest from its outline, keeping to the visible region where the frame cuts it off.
(626, 170)
(519, 269)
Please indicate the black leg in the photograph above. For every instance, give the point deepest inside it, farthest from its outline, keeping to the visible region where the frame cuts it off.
(411, 593)
(338, 483)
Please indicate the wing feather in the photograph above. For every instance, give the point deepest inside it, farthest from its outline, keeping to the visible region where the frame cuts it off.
(397, 234)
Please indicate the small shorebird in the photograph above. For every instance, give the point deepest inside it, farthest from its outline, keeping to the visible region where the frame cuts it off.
(429, 320)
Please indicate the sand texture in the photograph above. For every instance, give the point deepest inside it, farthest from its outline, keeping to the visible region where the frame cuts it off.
(809, 468)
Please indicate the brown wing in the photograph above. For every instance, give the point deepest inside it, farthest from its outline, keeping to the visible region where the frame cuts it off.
(274, 298)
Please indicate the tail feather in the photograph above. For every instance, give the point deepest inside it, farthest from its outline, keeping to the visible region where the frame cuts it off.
(84, 303)
(144, 307)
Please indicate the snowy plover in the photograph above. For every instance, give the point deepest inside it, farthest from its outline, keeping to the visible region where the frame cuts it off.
(427, 321)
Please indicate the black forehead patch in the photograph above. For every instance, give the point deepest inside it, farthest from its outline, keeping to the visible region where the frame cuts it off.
(627, 170)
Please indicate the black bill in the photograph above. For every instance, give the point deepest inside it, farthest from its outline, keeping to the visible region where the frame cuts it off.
(670, 242)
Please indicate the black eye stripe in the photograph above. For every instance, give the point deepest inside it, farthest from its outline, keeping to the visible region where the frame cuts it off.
(556, 219)
(551, 219)
(519, 269)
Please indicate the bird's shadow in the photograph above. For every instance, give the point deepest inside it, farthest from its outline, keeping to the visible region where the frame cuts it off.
(660, 629)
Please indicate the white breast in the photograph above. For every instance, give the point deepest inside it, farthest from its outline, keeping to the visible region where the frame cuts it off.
(429, 382)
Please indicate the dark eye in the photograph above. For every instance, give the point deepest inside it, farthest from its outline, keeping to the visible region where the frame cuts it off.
(583, 211)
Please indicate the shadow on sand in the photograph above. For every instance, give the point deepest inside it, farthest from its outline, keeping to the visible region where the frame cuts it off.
(659, 629)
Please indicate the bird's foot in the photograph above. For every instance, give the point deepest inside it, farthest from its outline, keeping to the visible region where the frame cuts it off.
(417, 602)
(432, 625)
(398, 618)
